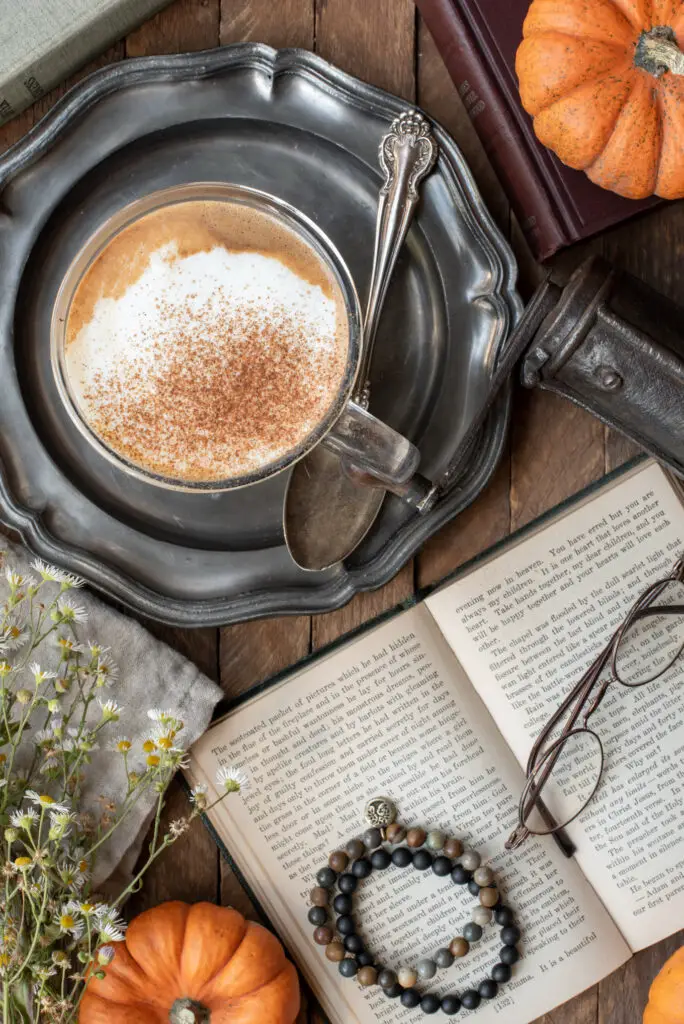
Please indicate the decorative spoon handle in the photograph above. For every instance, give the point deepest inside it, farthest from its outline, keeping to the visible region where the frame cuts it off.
(407, 153)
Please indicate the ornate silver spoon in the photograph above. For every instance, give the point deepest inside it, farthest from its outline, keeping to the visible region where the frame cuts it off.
(329, 507)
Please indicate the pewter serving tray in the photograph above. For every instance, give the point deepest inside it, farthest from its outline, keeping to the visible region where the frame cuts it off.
(290, 124)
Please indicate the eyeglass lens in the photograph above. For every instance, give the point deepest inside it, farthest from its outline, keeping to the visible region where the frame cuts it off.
(651, 643)
(564, 779)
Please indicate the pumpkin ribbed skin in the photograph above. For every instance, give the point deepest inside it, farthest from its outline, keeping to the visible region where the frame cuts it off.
(235, 969)
(666, 997)
(597, 101)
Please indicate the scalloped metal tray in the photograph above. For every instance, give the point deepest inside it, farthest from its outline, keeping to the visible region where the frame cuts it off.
(291, 124)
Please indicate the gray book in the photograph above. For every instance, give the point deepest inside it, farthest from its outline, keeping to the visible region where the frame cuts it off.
(44, 41)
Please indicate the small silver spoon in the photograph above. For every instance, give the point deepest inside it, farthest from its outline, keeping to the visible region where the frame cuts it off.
(329, 505)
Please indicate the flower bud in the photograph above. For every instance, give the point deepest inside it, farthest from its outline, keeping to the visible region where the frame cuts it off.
(11, 834)
(24, 696)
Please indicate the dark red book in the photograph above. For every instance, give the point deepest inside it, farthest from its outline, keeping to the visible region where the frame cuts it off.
(555, 204)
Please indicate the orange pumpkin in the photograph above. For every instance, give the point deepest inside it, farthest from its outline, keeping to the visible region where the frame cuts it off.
(666, 998)
(188, 964)
(603, 82)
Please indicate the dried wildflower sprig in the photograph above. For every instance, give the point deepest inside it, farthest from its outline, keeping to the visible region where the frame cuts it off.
(54, 930)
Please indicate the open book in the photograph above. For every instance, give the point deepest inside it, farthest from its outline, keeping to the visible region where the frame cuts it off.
(437, 708)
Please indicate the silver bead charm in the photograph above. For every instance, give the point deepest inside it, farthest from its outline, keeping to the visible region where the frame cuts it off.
(380, 812)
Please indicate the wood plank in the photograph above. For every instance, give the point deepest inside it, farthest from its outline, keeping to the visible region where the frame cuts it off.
(185, 25)
(624, 994)
(286, 23)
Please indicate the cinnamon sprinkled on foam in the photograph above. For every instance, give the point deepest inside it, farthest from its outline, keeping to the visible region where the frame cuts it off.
(209, 364)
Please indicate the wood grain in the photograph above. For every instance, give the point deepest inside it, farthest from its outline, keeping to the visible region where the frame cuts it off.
(285, 23)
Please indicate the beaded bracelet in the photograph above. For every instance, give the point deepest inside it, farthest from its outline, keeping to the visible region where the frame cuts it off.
(423, 850)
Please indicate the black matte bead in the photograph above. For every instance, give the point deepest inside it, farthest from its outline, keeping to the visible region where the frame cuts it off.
(318, 916)
(372, 838)
(347, 883)
(353, 943)
(488, 988)
(345, 925)
(441, 866)
(410, 998)
(459, 876)
(364, 959)
(472, 932)
(422, 860)
(470, 1000)
(501, 973)
(402, 857)
(451, 1005)
(509, 955)
(510, 935)
(394, 992)
(362, 868)
(503, 916)
(429, 1003)
(343, 904)
(348, 967)
(326, 878)
(386, 978)
(380, 859)
(473, 887)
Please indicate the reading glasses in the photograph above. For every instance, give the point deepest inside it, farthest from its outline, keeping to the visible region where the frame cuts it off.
(564, 769)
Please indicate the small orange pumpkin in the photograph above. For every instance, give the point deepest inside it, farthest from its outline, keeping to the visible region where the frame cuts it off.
(188, 964)
(603, 82)
(666, 997)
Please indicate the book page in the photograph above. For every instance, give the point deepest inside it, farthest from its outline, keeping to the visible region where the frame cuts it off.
(529, 622)
(392, 714)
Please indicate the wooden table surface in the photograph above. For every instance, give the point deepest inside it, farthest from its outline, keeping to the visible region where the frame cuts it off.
(554, 450)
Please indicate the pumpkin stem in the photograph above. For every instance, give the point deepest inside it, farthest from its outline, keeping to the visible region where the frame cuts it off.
(658, 52)
(187, 1011)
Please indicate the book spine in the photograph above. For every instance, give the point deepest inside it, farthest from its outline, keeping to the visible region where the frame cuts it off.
(495, 126)
(84, 41)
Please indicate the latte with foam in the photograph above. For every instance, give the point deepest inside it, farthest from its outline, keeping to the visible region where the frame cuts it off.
(206, 341)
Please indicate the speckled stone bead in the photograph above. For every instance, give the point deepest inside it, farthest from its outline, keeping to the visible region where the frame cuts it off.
(323, 936)
(503, 916)
(415, 837)
(361, 868)
(429, 1003)
(347, 884)
(317, 916)
(402, 857)
(319, 897)
(326, 878)
(488, 988)
(395, 833)
(407, 977)
(338, 861)
(387, 979)
(458, 947)
(509, 955)
(343, 904)
(481, 916)
(443, 958)
(410, 998)
(484, 876)
(441, 866)
(368, 976)
(470, 860)
(335, 952)
(510, 935)
(470, 1000)
(450, 1005)
(489, 897)
(426, 969)
(355, 849)
(372, 838)
(435, 841)
(453, 848)
(472, 932)
(345, 924)
(347, 967)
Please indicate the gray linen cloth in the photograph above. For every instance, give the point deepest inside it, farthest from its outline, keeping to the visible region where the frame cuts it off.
(151, 675)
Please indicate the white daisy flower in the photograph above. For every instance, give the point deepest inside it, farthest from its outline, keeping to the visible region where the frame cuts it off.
(110, 924)
(44, 737)
(107, 672)
(51, 574)
(68, 922)
(14, 636)
(39, 675)
(122, 744)
(43, 800)
(71, 612)
(15, 579)
(70, 646)
(232, 779)
(157, 715)
(25, 818)
(43, 973)
(111, 711)
(178, 827)
(198, 794)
